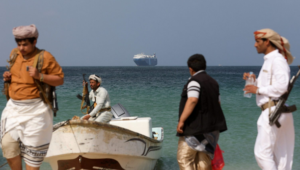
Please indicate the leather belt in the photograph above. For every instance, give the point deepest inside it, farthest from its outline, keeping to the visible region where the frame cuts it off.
(102, 110)
(105, 109)
(266, 105)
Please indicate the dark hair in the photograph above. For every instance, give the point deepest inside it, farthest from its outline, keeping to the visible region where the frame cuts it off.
(264, 39)
(31, 40)
(197, 62)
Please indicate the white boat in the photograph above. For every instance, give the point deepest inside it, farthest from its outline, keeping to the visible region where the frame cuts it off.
(127, 143)
(145, 60)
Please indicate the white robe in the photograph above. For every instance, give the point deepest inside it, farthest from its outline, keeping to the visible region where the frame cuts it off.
(274, 147)
(31, 122)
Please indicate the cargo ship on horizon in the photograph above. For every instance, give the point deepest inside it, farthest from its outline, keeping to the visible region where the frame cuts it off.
(145, 60)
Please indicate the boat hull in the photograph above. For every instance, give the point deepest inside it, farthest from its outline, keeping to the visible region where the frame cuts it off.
(106, 145)
(145, 61)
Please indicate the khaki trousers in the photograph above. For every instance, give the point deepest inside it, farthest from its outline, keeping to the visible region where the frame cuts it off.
(189, 159)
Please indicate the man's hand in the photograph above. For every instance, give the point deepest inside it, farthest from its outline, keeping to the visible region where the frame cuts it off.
(246, 75)
(86, 117)
(250, 89)
(6, 76)
(180, 127)
(33, 72)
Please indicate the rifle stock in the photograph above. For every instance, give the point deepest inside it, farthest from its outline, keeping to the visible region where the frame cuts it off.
(280, 107)
(79, 96)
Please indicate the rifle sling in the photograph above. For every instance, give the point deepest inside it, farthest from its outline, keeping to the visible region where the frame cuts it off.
(42, 93)
(11, 62)
(270, 102)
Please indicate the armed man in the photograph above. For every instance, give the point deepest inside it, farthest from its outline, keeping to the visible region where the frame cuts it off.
(274, 145)
(101, 103)
(26, 121)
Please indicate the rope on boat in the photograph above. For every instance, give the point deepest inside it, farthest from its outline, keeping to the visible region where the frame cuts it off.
(60, 124)
(64, 123)
(3, 164)
(75, 137)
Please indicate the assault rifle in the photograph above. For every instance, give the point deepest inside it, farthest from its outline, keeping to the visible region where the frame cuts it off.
(85, 98)
(91, 107)
(281, 107)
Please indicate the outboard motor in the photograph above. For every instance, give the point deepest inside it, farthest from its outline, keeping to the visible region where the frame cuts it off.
(119, 111)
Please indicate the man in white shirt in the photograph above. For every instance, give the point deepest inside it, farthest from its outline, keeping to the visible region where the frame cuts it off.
(100, 98)
(274, 147)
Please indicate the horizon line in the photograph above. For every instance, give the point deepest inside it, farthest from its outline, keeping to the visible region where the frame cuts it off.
(175, 66)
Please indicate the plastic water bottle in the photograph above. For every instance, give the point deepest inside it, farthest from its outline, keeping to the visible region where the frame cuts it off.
(249, 81)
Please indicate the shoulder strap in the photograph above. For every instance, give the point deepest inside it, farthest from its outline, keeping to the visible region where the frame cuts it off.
(11, 61)
(269, 105)
(38, 64)
(12, 58)
(36, 58)
(39, 60)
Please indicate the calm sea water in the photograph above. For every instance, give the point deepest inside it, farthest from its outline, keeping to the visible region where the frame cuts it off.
(155, 92)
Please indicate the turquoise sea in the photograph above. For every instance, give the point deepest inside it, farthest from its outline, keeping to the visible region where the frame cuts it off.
(155, 92)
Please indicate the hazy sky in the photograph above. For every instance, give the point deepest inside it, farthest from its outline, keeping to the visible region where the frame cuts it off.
(109, 33)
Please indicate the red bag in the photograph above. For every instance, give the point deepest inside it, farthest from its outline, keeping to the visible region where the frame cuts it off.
(218, 162)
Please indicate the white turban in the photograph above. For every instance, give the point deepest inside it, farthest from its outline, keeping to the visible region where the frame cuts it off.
(95, 77)
(23, 32)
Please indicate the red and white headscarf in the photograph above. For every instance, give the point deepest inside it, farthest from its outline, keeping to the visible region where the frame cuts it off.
(281, 43)
(22, 32)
